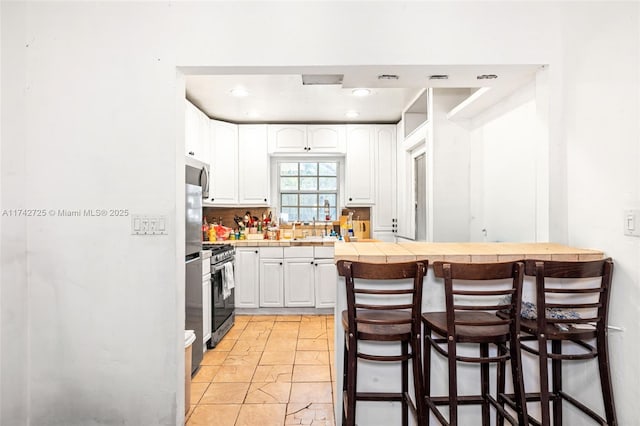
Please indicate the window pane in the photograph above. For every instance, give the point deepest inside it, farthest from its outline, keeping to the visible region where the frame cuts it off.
(308, 200)
(288, 183)
(308, 184)
(288, 169)
(328, 183)
(308, 169)
(290, 200)
(328, 169)
(292, 212)
(330, 197)
(307, 214)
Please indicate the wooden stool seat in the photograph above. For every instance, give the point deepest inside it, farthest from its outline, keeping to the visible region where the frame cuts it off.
(554, 333)
(383, 330)
(482, 331)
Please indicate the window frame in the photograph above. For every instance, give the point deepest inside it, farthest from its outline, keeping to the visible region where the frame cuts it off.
(277, 161)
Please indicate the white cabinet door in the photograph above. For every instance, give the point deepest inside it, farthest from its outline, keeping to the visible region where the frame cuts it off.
(253, 165)
(384, 210)
(247, 275)
(359, 166)
(197, 134)
(271, 283)
(287, 138)
(206, 308)
(224, 164)
(299, 282)
(326, 283)
(326, 138)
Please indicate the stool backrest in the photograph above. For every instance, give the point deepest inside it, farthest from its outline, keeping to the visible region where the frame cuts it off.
(567, 292)
(385, 295)
(486, 287)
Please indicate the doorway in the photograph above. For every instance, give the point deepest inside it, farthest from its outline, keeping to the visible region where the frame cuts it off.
(420, 196)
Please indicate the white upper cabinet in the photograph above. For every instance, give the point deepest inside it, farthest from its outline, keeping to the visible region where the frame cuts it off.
(224, 164)
(301, 138)
(197, 133)
(384, 211)
(253, 165)
(359, 165)
(287, 138)
(326, 138)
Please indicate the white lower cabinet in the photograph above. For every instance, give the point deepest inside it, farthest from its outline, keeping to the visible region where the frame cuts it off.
(247, 275)
(285, 277)
(206, 307)
(271, 277)
(299, 283)
(326, 284)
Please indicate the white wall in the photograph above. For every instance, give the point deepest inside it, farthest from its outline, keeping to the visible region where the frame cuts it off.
(505, 170)
(451, 167)
(96, 313)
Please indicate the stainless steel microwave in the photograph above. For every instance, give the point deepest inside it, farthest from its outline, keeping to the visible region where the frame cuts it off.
(197, 173)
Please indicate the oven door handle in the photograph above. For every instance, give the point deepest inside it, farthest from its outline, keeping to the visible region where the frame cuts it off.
(220, 266)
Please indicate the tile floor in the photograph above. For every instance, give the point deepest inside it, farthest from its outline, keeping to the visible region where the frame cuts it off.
(269, 370)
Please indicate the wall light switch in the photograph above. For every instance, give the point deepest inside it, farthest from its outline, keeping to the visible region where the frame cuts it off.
(149, 225)
(632, 222)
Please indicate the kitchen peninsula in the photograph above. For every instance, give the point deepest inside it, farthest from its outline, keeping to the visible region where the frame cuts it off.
(376, 377)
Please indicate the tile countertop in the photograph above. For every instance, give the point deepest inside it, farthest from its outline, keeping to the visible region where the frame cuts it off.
(460, 252)
(269, 243)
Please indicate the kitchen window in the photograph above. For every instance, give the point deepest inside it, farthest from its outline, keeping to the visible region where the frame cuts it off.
(308, 190)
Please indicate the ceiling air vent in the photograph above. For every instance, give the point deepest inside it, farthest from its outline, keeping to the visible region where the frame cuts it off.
(388, 77)
(321, 79)
(439, 77)
(487, 77)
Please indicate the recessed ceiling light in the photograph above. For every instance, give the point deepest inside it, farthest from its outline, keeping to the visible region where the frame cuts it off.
(239, 92)
(361, 92)
(352, 114)
(486, 77)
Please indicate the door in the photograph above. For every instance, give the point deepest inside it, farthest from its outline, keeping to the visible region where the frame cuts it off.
(271, 283)
(420, 185)
(253, 165)
(224, 164)
(326, 285)
(193, 307)
(359, 182)
(247, 278)
(206, 308)
(299, 283)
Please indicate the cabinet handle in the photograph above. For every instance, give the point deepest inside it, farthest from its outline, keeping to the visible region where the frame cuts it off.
(312, 262)
(192, 153)
(350, 199)
(309, 148)
(265, 200)
(256, 251)
(281, 263)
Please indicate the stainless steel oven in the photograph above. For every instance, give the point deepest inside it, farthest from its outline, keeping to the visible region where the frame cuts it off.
(222, 291)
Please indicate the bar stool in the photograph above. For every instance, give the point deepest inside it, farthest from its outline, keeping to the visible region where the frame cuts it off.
(474, 292)
(576, 314)
(381, 310)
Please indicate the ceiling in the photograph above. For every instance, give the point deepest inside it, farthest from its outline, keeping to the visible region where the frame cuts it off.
(278, 95)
